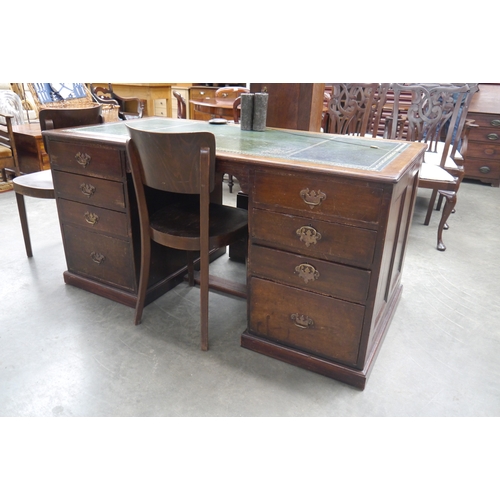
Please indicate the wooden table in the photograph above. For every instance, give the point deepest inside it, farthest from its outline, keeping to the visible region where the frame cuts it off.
(328, 215)
(30, 149)
(217, 108)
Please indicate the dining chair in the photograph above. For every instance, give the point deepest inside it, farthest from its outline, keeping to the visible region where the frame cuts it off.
(11, 113)
(433, 111)
(8, 152)
(40, 184)
(352, 108)
(182, 166)
(181, 105)
(130, 107)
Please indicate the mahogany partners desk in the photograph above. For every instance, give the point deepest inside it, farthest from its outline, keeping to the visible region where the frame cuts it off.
(328, 225)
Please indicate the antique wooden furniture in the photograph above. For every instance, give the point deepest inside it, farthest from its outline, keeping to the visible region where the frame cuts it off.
(433, 107)
(181, 105)
(349, 108)
(40, 184)
(11, 113)
(72, 95)
(181, 163)
(158, 96)
(130, 107)
(297, 106)
(30, 148)
(329, 218)
(8, 152)
(482, 158)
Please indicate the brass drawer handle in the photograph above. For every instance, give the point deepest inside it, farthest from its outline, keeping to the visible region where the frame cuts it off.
(87, 189)
(308, 235)
(492, 137)
(485, 170)
(312, 198)
(307, 272)
(97, 257)
(301, 320)
(83, 159)
(91, 218)
(495, 123)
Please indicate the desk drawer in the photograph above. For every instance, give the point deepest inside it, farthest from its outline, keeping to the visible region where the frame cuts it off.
(313, 323)
(315, 238)
(485, 120)
(485, 135)
(344, 282)
(100, 257)
(319, 196)
(95, 218)
(486, 150)
(200, 94)
(483, 168)
(90, 190)
(86, 159)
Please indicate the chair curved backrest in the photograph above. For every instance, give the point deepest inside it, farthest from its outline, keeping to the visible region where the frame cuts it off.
(181, 104)
(350, 108)
(434, 109)
(171, 161)
(55, 118)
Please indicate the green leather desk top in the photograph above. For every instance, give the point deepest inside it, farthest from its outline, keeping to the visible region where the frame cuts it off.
(306, 147)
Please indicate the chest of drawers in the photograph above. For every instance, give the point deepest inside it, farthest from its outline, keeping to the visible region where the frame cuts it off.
(482, 158)
(99, 223)
(324, 265)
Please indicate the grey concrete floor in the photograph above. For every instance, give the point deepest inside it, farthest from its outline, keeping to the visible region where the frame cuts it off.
(66, 352)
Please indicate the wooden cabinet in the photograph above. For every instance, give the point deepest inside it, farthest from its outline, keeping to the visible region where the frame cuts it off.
(325, 258)
(482, 158)
(93, 206)
(156, 95)
(199, 94)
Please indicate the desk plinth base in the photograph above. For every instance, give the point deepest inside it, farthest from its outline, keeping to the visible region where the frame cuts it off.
(352, 376)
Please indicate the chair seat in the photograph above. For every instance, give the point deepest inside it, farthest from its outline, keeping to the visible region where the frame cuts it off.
(5, 152)
(36, 184)
(435, 158)
(178, 225)
(435, 172)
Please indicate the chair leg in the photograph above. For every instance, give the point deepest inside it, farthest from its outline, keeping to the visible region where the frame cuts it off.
(190, 266)
(230, 183)
(143, 282)
(24, 223)
(430, 208)
(204, 303)
(451, 200)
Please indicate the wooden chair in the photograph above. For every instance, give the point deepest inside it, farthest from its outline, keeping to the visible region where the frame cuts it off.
(130, 107)
(433, 108)
(180, 163)
(45, 97)
(39, 184)
(350, 108)
(8, 153)
(181, 105)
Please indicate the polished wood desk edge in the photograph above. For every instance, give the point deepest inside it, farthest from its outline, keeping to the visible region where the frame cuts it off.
(392, 173)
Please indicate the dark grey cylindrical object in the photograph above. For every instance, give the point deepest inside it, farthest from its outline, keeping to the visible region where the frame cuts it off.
(246, 115)
(260, 111)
